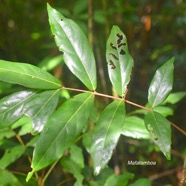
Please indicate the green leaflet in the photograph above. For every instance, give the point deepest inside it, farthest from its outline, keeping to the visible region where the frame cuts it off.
(74, 164)
(161, 84)
(27, 75)
(120, 62)
(106, 134)
(61, 131)
(11, 155)
(78, 55)
(38, 106)
(134, 127)
(11, 107)
(121, 180)
(160, 131)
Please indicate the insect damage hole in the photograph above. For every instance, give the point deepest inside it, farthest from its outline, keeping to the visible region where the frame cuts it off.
(120, 37)
(112, 64)
(114, 56)
(122, 52)
(112, 46)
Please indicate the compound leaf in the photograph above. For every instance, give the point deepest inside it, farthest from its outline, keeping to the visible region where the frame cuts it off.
(61, 131)
(161, 84)
(160, 131)
(120, 62)
(78, 55)
(27, 75)
(106, 134)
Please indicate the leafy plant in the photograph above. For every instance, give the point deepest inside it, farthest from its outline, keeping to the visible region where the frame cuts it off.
(57, 127)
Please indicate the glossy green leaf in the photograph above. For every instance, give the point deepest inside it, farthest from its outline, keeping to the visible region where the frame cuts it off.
(11, 107)
(27, 75)
(61, 131)
(78, 54)
(141, 182)
(106, 134)
(11, 155)
(161, 84)
(160, 131)
(173, 98)
(120, 62)
(121, 180)
(76, 155)
(40, 107)
(163, 110)
(134, 127)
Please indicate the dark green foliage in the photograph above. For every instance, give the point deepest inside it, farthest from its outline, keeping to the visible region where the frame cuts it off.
(57, 128)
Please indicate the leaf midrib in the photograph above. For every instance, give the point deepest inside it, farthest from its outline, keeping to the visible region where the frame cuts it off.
(61, 131)
(32, 76)
(74, 50)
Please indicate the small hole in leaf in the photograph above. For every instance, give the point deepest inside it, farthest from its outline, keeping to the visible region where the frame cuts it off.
(122, 44)
(112, 45)
(114, 56)
(122, 52)
(112, 64)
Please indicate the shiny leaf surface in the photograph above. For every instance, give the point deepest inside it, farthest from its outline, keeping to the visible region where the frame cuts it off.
(120, 62)
(61, 131)
(160, 131)
(106, 134)
(134, 127)
(27, 75)
(161, 84)
(78, 55)
(12, 107)
(40, 107)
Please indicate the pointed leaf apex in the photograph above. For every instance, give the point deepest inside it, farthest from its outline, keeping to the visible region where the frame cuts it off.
(29, 176)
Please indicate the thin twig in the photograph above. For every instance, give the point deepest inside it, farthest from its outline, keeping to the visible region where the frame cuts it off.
(125, 100)
(49, 171)
(24, 147)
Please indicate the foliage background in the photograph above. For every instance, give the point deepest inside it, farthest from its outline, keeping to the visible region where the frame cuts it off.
(155, 30)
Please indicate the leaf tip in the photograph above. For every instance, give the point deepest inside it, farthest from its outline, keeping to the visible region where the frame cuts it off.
(29, 176)
(97, 170)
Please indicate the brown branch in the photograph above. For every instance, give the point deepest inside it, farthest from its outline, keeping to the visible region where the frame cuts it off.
(125, 100)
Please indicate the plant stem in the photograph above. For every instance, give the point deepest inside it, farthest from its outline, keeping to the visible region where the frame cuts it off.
(125, 100)
(24, 147)
(49, 171)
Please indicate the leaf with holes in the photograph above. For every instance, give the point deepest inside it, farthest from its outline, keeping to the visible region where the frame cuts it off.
(160, 131)
(78, 55)
(61, 130)
(120, 62)
(106, 134)
(161, 84)
(27, 75)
